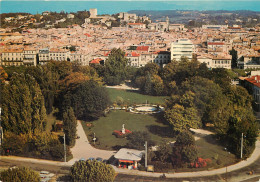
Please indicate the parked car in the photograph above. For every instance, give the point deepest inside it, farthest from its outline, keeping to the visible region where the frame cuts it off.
(82, 159)
(99, 159)
(91, 158)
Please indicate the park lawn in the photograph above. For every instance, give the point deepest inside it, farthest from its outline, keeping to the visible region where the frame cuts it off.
(210, 148)
(104, 127)
(134, 97)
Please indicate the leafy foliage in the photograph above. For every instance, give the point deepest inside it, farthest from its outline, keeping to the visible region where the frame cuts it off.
(137, 140)
(115, 67)
(92, 171)
(19, 175)
(23, 105)
(88, 100)
(70, 126)
(184, 150)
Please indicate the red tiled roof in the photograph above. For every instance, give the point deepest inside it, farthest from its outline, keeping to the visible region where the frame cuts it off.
(96, 61)
(216, 43)
(142, 48)
(88, 35)
(107, 53)
(255, 80)
(135, 24)
(132, 54)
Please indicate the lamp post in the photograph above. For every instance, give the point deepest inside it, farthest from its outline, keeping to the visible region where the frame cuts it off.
(145, 154)
(1, 130)
(94, 138)
(242, 141)
(64, 148)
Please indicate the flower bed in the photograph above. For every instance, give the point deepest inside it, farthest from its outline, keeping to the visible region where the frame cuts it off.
(200, 163)
(119, 134)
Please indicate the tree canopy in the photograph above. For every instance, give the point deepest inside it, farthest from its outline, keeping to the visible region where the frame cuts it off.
(115, 67)
(23, 105)
(20, 174)
(91, 171)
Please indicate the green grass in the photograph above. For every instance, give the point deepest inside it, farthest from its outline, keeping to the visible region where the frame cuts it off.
(133, 97)
(50, 120)
(210, 148)
(104, 127)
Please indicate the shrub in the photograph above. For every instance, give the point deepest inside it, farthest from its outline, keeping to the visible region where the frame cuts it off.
(200, 162)
(20, 174)
(92, 171)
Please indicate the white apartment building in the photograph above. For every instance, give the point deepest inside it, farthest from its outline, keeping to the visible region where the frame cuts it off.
(182, 48)
(219, 61)
(30, 57)
(59, 55)
(44, 56)
(12, 57)
(80, 58)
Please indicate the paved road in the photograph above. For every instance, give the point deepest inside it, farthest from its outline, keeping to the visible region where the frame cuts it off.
(83, 149)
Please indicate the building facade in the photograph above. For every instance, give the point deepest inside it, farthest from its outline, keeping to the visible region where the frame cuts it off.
(182, 48)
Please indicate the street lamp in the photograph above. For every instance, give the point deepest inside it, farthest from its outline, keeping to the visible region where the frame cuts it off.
(94, 138)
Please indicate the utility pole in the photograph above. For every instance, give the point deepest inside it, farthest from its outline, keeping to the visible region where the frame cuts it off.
(146, 154)
(64, 149)
(242, 138)
(1, 130)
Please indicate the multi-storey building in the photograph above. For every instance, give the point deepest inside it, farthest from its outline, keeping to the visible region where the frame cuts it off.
(29, 57)
(252, 84)
(82, 59)
(12, 57)
(182, 48)
(44, 56)
(59, 55)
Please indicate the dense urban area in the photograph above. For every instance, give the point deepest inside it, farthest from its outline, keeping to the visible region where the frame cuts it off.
(131, 93)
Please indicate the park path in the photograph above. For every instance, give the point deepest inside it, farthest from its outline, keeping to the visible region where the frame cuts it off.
(83, 149)
(123, 86)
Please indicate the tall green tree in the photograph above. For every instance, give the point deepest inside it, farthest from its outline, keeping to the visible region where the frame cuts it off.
(88, 100)
(91, 171)
(233, 53)
(23, 105)
(20, 174)
(115, 67)
(70, 126)
(184, 150)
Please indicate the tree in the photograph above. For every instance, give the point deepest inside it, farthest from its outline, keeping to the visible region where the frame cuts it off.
(3, 75)
(48, 82)
(23, 105)
(148, 84)
(19, 175)
(184, 150)
(115, 67)
(70, 126)
(157, 85)
(91, 171)
(233, 53)
(164, 151)
(137, 140)
(88, 100)
(181, 112)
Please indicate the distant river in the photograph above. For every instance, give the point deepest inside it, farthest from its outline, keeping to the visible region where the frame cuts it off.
(111, 7)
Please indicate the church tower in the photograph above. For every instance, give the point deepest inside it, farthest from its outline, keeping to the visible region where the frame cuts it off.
(167, 22)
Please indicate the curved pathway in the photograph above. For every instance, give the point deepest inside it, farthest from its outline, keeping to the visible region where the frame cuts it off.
(83, 149)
